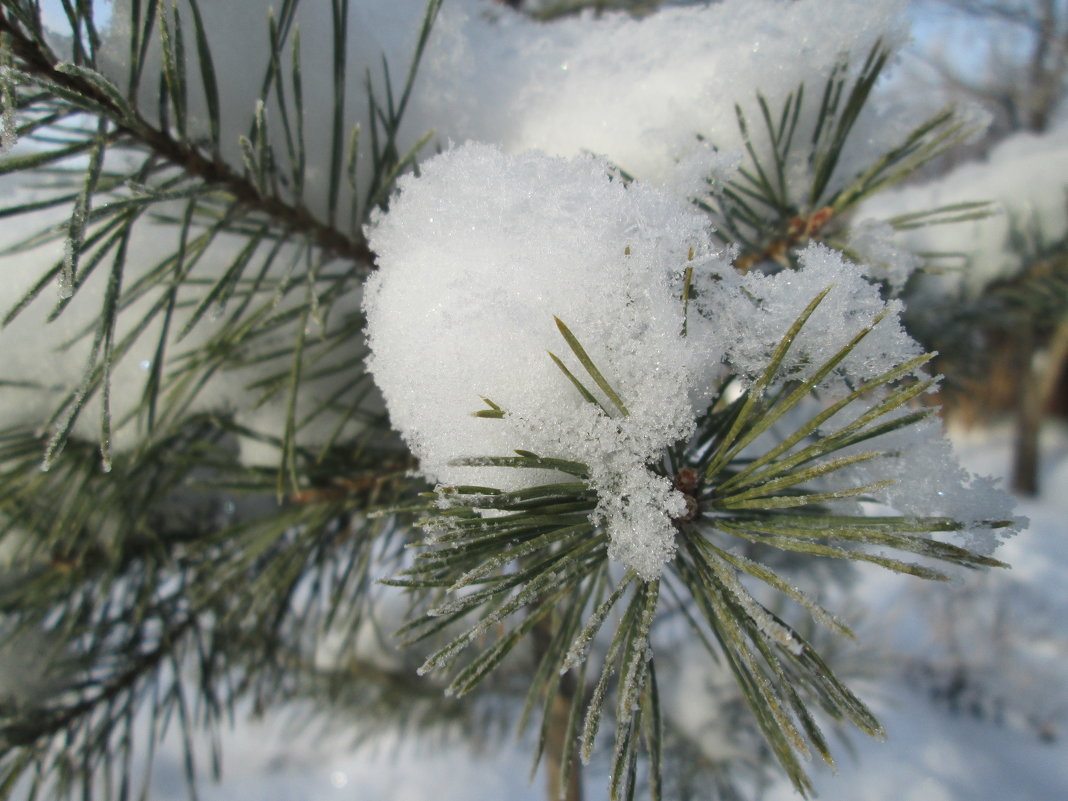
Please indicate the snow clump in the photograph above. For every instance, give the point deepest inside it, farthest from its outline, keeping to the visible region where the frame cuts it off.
(765, 306)
(476, 257)
(641, 91)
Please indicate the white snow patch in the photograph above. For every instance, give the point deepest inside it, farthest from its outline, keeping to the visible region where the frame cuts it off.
(476, 258)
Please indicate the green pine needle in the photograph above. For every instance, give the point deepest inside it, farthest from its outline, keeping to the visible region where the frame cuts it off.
(591, 368)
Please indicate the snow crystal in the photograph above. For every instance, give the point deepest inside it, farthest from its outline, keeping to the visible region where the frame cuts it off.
(749, 316)
(480, 253)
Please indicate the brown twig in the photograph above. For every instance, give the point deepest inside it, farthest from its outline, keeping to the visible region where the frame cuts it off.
(798, 231)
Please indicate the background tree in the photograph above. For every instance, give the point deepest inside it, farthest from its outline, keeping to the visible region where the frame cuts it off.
(1016, 66)
(1011, 58)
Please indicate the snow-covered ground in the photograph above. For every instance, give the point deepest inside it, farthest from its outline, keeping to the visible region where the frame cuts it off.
(1011, 642)
(931, 755)
(268, 763)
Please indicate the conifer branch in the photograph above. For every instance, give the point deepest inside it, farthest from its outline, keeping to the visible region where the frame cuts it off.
(772, 219)
(521, 556)
(131, 126)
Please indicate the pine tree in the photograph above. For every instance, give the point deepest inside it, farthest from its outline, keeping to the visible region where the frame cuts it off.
(167, 570)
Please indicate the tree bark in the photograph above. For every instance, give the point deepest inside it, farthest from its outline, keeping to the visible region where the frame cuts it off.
(1044, 91)
(556, 747)
(1040, 382)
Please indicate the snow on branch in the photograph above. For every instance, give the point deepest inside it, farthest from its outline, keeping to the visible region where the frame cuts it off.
(479, 254)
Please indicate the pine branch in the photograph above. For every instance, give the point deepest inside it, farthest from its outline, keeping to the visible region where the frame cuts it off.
(225, 604)
(263, 204)
(512, 559)
(130, 125)
(181, 597)
(770, 217)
